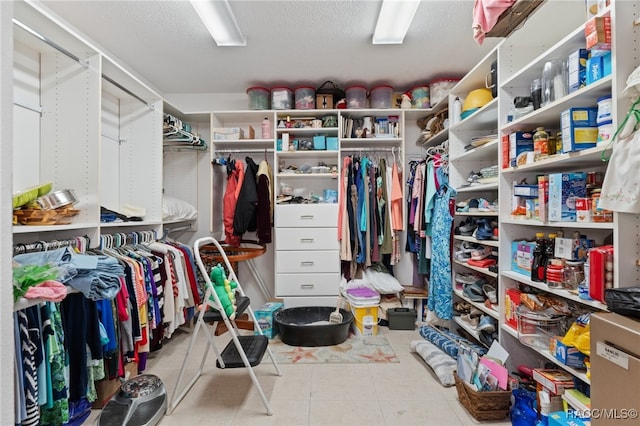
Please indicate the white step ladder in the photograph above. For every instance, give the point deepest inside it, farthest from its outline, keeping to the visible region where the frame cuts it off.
(242, 351)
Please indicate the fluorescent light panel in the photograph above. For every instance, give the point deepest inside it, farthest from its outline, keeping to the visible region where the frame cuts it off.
(394, 20)
(219, 20)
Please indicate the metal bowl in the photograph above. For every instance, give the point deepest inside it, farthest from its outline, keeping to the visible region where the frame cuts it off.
(57, 199)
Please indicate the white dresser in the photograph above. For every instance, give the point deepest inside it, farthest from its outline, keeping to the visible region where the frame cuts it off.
(307, 254)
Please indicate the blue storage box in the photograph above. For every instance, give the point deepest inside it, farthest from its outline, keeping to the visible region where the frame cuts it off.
(332, 143)
(319, 142)
(564, 188)
(577, 69)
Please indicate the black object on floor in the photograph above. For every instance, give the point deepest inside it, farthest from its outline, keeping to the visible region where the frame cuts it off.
(305, 326)
(254, 348)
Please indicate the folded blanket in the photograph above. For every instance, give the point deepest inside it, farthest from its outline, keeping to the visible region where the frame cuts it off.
(448, 341)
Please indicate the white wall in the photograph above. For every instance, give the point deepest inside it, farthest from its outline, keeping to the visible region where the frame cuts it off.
(6, 160)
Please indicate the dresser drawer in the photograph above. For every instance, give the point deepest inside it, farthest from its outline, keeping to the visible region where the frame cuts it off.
(307, 215)
(307, 284)
(307, 239)
(307, 262)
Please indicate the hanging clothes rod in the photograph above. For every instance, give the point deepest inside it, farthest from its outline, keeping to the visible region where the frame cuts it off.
(50, 245)
(129, 92)
(51, 43)
(246, 150)
(368, 148)
(114, 139)
(37, 109)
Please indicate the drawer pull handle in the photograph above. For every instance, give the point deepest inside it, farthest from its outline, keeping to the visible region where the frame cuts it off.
(308, 263)
(307, 286)
(307, 216)
(306, 240)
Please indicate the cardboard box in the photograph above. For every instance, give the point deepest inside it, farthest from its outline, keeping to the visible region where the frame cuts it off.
(519, 142)
(555, 381)
(615, 382)
(567, 355)
(505, 151)
(543, 198)
(564, 188)
(265, 314)
(512, 301)
(522, 257)
(577, 69)
(579, 128)
(106, 388)
(597, 33)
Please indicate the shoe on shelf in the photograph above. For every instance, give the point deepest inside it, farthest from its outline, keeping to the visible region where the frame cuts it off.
(485, 229)
(467, 278)
(482, 252)
(467, 227)
(467, 205)
(472, 179)
(493, 268)
(474, 292)
(473, 321)
(487, 324)
(483, 206)
(490, 291)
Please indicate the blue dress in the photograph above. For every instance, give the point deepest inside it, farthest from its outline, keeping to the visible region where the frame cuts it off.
(440, 290)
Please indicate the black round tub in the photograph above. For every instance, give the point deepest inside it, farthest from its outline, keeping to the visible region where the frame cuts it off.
(309, 326)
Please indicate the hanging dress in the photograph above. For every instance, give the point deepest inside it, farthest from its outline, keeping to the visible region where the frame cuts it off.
(440, 297)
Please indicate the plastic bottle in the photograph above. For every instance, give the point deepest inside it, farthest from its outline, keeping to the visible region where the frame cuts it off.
(538, 264)
(266, 129)
(457, 110)
(549, 252)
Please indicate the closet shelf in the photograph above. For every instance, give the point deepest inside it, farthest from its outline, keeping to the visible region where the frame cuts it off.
(130, 224)
(308, 130)
(469, 329)
(486, 152)
(479, 214)
(308, 153)
(549, 115)
(493, 313)
(436, 139)
(492, 243)
(485, 118)
(477, 188)
(258, 144)
(578, 225)
(566, 294)
(485, 271)
(377, 140)
(586, 158)
(307, 175)
(27, 229)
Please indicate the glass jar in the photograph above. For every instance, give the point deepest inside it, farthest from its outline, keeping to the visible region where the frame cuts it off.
(573, 274)
(541, 142)
(598, 214)
(555, 274)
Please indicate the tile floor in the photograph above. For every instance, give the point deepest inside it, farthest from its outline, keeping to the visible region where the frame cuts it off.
(403, 394)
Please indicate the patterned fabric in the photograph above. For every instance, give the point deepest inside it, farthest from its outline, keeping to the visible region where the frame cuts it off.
(57, 412)
(27, 348)
(440, 290)
(447, 341)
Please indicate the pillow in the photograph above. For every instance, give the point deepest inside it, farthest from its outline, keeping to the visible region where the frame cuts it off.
(176, 209)
(442, 364)
(382, 282)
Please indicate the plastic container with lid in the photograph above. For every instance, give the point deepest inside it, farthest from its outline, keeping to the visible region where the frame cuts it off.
(381, 96)
(420, 97)
(356, 97)
(536, 329)
(305, 97)
(364, 306)
(605, 132)
(439, 89)
(258, 97)
(281, 98)
(604, 110)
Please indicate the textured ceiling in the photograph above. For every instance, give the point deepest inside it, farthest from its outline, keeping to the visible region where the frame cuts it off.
(288, 42)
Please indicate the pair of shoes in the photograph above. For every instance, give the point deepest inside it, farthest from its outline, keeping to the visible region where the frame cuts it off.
(487, 338)
(472, 320)
(467, 278)
(467, 205)
(462, 256)
(487, 324)
(467, 227)
(460, 308)
(485, 229)
(482, 252)
(472, 179)
(474, 291)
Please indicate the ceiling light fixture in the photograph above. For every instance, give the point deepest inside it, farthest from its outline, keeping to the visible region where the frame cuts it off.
(394, 20)
(219, 20)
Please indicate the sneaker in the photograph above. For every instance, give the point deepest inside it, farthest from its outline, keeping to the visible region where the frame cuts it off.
(482, 252)
(490, 292)
(467, 278)
(462, 256)
(467, 227)
(487, 324)
(472, 179)
(473, 321)
(485, 229)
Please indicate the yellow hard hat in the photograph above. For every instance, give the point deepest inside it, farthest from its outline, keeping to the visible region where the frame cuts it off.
(476, 99)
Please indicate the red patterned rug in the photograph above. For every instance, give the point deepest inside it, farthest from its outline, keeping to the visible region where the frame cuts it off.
(356, 349)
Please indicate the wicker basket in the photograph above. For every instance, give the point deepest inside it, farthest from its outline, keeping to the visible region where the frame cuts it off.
(483, 406)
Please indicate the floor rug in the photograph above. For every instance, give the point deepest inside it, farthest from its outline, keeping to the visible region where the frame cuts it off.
(356, 349)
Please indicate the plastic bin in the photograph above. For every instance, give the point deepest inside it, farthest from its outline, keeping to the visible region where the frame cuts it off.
(439, 89)
(420, 97)
(258, 97)
(281, 98)
(364, 304)
(305, 97)
(381, 97)
(537, 329)
(356, 97)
